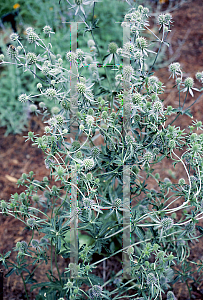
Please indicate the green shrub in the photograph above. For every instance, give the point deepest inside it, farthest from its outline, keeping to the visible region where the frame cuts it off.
(103, 191)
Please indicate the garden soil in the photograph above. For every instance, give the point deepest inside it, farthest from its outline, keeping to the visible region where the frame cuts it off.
(17, 157)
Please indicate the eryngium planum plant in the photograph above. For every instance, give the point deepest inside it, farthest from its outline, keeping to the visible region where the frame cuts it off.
(106, 132)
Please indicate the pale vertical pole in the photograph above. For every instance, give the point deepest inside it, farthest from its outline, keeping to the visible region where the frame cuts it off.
(73, 132)
(126, 168)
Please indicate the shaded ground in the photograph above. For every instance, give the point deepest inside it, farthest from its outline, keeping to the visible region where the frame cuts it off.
(17, 157)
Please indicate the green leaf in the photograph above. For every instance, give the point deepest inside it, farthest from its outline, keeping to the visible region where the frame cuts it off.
(7, 254)
(188, 113)
(140, 233)
(10, 272)
(42, 284)
(200, 229)
(29, 279)
(176, 279)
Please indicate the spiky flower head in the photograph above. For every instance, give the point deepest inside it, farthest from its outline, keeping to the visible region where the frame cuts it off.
(136, 16)
(178, 81)
(167, 182)
(91, 111)
(153, 80)
(119, 51)
(78, 2)
(128, 71)
(79, 53)
(35, 243)
(71, 56)
(141, 42)
(18, 245)
(140, 8)
(76, 145)
(161, 19)
(138, 55)
(158, 106)
(60, 120)
(129, 139)
(89, 176)
(117, 202)
(14, 37)
(82, 79)
(196, 147)
(171, 296)
(88, 163)
(168, 18)
(95, 152)
(55, 110)
(156, 150)
(128, 17)
(47, 29)
(104, 115)
(78, 155)
(51, 93)
(91, 43)
(137, 118)
(31, 58)
(112, 47)
(31, 36)
(174, 68)
(130, 250)
(81, 87)
(33, 107)
(60, 61)
(167, 223)
(31, 222)
(199, 75)
(93, 49)
(190, 227)
(45, 70)
(133, 29)
(69, 285)
(189, 82)
(129, 47)
(3, 204)
(181, 181)
(12, 52)
(151, 279)
(172, 144)
(29, 29)
(35, 198)
(23, 98)
(24, 245)
(89, 120)
(145, 10)
(148, 156)
(95, 292)
(81, 127)
(65, 104)
(88, 60)
(39, 85)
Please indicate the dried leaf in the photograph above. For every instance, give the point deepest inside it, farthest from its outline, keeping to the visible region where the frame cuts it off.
(11, 178)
